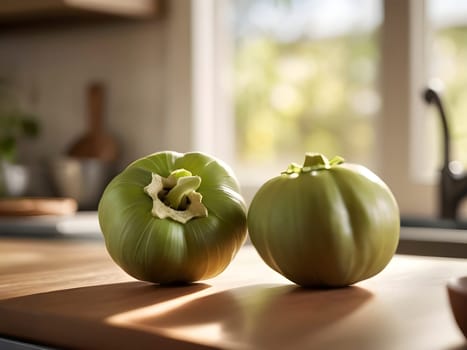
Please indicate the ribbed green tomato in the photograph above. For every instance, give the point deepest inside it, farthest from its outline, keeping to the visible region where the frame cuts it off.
(172, 217)
(325, 223)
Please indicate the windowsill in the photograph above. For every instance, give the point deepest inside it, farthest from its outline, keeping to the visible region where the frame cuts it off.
(434, 223)
(433, 241)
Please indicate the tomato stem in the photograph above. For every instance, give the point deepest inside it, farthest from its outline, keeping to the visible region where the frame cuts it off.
(175, 197)
(313, 161)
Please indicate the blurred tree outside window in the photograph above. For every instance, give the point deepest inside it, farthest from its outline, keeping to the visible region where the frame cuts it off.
(306, 80)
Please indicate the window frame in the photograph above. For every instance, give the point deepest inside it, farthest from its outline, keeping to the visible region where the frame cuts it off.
(404, 76)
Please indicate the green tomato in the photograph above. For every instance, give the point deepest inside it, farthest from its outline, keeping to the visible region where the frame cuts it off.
(173, 218)
(325, 224)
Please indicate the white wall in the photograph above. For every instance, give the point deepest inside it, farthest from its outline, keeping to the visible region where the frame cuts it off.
(146, 68)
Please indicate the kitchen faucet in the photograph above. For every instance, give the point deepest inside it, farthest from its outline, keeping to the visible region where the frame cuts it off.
(453, 183)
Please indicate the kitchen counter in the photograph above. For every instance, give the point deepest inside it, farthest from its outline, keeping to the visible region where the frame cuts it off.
(68, 293)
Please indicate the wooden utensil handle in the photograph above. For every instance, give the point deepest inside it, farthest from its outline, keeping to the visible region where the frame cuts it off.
(96, 99)
(96, 141)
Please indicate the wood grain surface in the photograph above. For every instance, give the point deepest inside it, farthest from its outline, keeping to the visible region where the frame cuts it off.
(68, 293)
(24, 206)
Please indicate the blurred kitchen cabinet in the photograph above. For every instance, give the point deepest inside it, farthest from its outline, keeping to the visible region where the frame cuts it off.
(13, 12)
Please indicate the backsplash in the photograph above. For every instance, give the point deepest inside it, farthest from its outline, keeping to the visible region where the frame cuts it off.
(50, 69)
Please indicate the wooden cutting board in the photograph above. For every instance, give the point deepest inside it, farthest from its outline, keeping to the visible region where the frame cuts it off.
(37, 206)
(69, 294)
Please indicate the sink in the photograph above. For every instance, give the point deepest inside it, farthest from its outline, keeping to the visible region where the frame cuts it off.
(433, 237)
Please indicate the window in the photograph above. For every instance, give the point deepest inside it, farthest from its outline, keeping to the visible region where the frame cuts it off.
(447, 57)
(305, 79)
(338, 77)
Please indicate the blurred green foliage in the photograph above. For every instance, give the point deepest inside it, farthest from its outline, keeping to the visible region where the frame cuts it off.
(321, 94)
(15, 124)
(307, 95)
